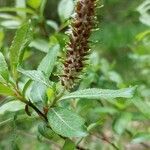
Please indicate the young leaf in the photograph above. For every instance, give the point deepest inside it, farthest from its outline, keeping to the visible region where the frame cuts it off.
(48, 62)
(3, 68)
(66, 123)
(12, 107)
(21, 39)
(35, 76)
(38, 92)
(101, 93)
(4, 90)
(65, 9)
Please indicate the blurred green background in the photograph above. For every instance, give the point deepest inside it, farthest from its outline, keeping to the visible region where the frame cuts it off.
(120, 57)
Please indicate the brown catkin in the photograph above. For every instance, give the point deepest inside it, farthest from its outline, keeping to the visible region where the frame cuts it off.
(77, 47)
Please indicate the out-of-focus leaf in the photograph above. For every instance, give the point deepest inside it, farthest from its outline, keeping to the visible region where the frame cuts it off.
(12, 107)
(144, 12)
(69, 145)
(141, 137)
(4, 90)
(34, 3)
(40, 44)
(115, 77)
(142, 35)
(21, 4)
(16, 9)
(101, 93)
(66, 123)
(35, 76)
(143, 106)
(6, 100)
(10, 24)
(52, 24)
(105, 110)
(7, 16)
(3, 68)
(48, 62)
(121, 123)
(21, 39)
(65, 9)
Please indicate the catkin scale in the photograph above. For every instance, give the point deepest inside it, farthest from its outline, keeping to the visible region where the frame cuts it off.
(78, 48)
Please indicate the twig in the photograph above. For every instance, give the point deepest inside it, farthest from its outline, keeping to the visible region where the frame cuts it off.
(104, 138)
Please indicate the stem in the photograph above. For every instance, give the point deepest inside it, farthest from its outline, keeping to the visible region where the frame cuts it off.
(37, 110)
(104, 138)
(79, 141)
(29, 103)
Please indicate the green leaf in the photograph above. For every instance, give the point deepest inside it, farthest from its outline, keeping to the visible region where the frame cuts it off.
(35, 76)
(105, 110)
(65, 9)
(21, 39)
(38, 92)
(142, 35)
(142, 106)
(40, 44)
(52, 24)
(10, 24)
(69, 145)
(141, 137)
(3, 68)
(21, 4)
(6, 100)
(8, 16)
(4, 90)
(12, 107)
(34, 3)
(48, 63)
(47, 132)
(121, 123)
(101, 93)
(17, 9)
(66, 123)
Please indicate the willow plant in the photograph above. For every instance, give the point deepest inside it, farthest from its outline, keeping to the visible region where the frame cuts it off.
(58, 120)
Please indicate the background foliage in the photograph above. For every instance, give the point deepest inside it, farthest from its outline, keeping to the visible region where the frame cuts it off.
(120, 58)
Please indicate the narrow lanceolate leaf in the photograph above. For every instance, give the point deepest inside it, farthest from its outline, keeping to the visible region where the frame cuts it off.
(66, 123)
(94, 93)
(12, 107)
(21, 39)
(35, 76)
(65, 9)
(48, 63)
(4, 90)
(3, 68)
(38, 92)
